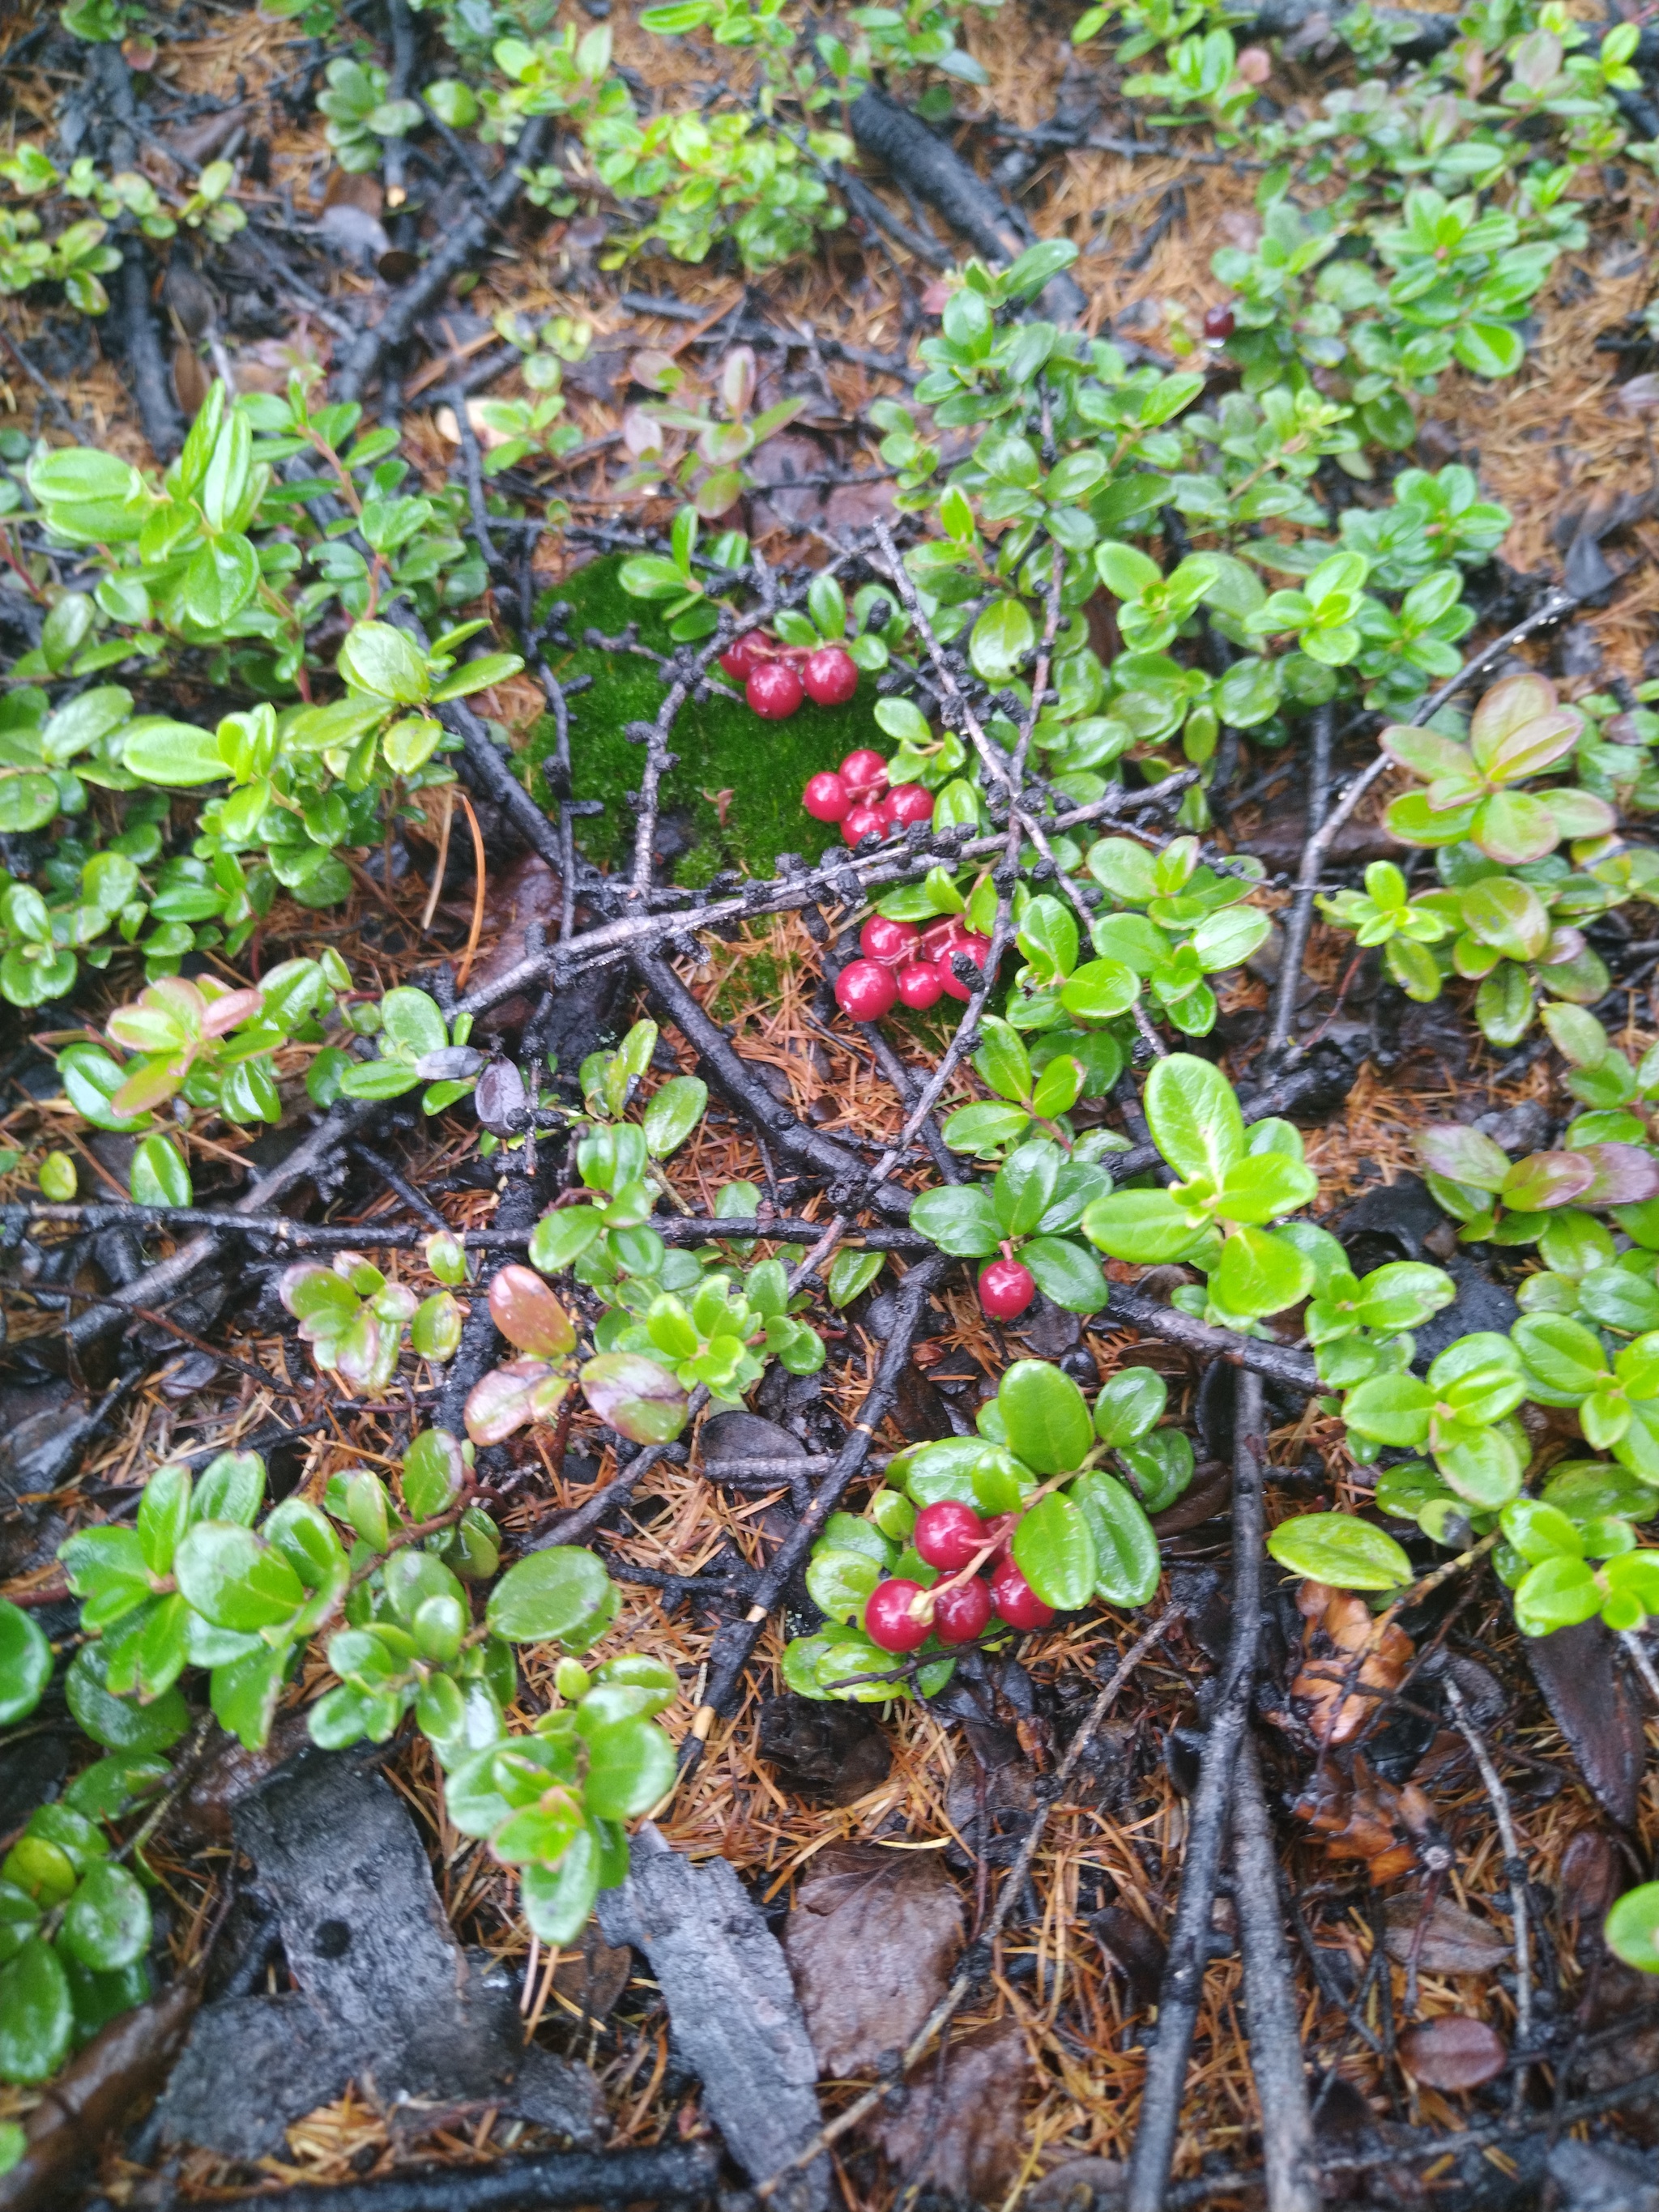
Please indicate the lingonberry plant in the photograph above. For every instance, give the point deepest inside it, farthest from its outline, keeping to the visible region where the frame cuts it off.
(195, 1585)
(998, 1531)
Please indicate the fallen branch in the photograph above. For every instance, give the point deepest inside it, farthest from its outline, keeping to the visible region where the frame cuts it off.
(164, 1281)
(730, 1075)
(1270, 2001)
(1295, 1370)
(936, 172)
(1182, 1984)
(669, 2172)
(424, 292)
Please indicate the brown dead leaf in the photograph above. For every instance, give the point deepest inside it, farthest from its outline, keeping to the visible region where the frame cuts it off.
(594, 1976)
(1136, 1950)
(1589, 1879)
(1581, 1672)
(356, 188)
(1453, 2052)
(870, 1942)
(959, 2132)
(1360, 1816)
(1453, 1941)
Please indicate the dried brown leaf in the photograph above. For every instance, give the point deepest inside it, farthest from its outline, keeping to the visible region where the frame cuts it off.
(959, 2132)
(1452, 1941)
(870, 1942)
(1453, 2052)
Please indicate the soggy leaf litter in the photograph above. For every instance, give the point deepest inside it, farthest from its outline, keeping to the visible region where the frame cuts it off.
(1046, 2066)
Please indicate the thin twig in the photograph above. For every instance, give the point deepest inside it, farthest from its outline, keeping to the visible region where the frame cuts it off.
(1514, 1868)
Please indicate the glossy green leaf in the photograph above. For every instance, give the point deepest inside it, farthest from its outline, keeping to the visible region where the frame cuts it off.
(1339, 1549)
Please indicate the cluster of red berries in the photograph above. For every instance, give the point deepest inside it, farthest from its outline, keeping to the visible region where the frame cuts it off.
(855, 794)
(953, 1538)
(776, 678)
(902, 963)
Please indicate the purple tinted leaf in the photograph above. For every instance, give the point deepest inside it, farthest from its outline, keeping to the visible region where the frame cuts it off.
(638, 1399)
(311, 1293)
(1580, 813)
(1623, 1175)
(500, 1101)
(1462, 1155)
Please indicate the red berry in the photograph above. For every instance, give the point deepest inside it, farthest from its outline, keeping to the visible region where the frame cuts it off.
(1005, 1289)
(830, 676)
(1218, 323)
(1015, 1600)
(975, 948)
(920, 984)
(948, 1534)
(865, 771)
(745, 654)
(861, 821)
(909, 802)
(827, 798)
(773, 691)
(962, 1613)
(888, 1620)
(891, 941)
(865, 990)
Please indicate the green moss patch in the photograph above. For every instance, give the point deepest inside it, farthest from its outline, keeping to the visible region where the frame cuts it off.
(721, 747)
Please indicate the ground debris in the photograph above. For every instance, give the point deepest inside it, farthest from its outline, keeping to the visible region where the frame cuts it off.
(733, 2014)
(871, 1942)
(383, 1993)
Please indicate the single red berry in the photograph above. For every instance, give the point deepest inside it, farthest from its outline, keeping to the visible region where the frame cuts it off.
(1016, 1601)
(891, 941)
(861, 821)
(1218, 323)
(865, 990)
(1005, 1289)
(827, 798)
(920, 984)
(865, 771)
(948, 1534)
(830, 676)
(773, 691)
(888, 1620)
(975, 948)
(745, 654)
(909, 802)
(962, 1613)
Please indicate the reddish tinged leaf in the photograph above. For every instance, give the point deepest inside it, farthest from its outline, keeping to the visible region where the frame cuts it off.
(1591, 1875)
(1462, 1155)
(1581, 1672)
(1536, 746)
(1453, 2052)
(149, 1086)
(1426, 753)
(1580, 813)
(223, 1013)
(529, 1316)
(1623, 1175)
(511, 1397)
(1511, 826)
(1546, 1179)
(1509, 706)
